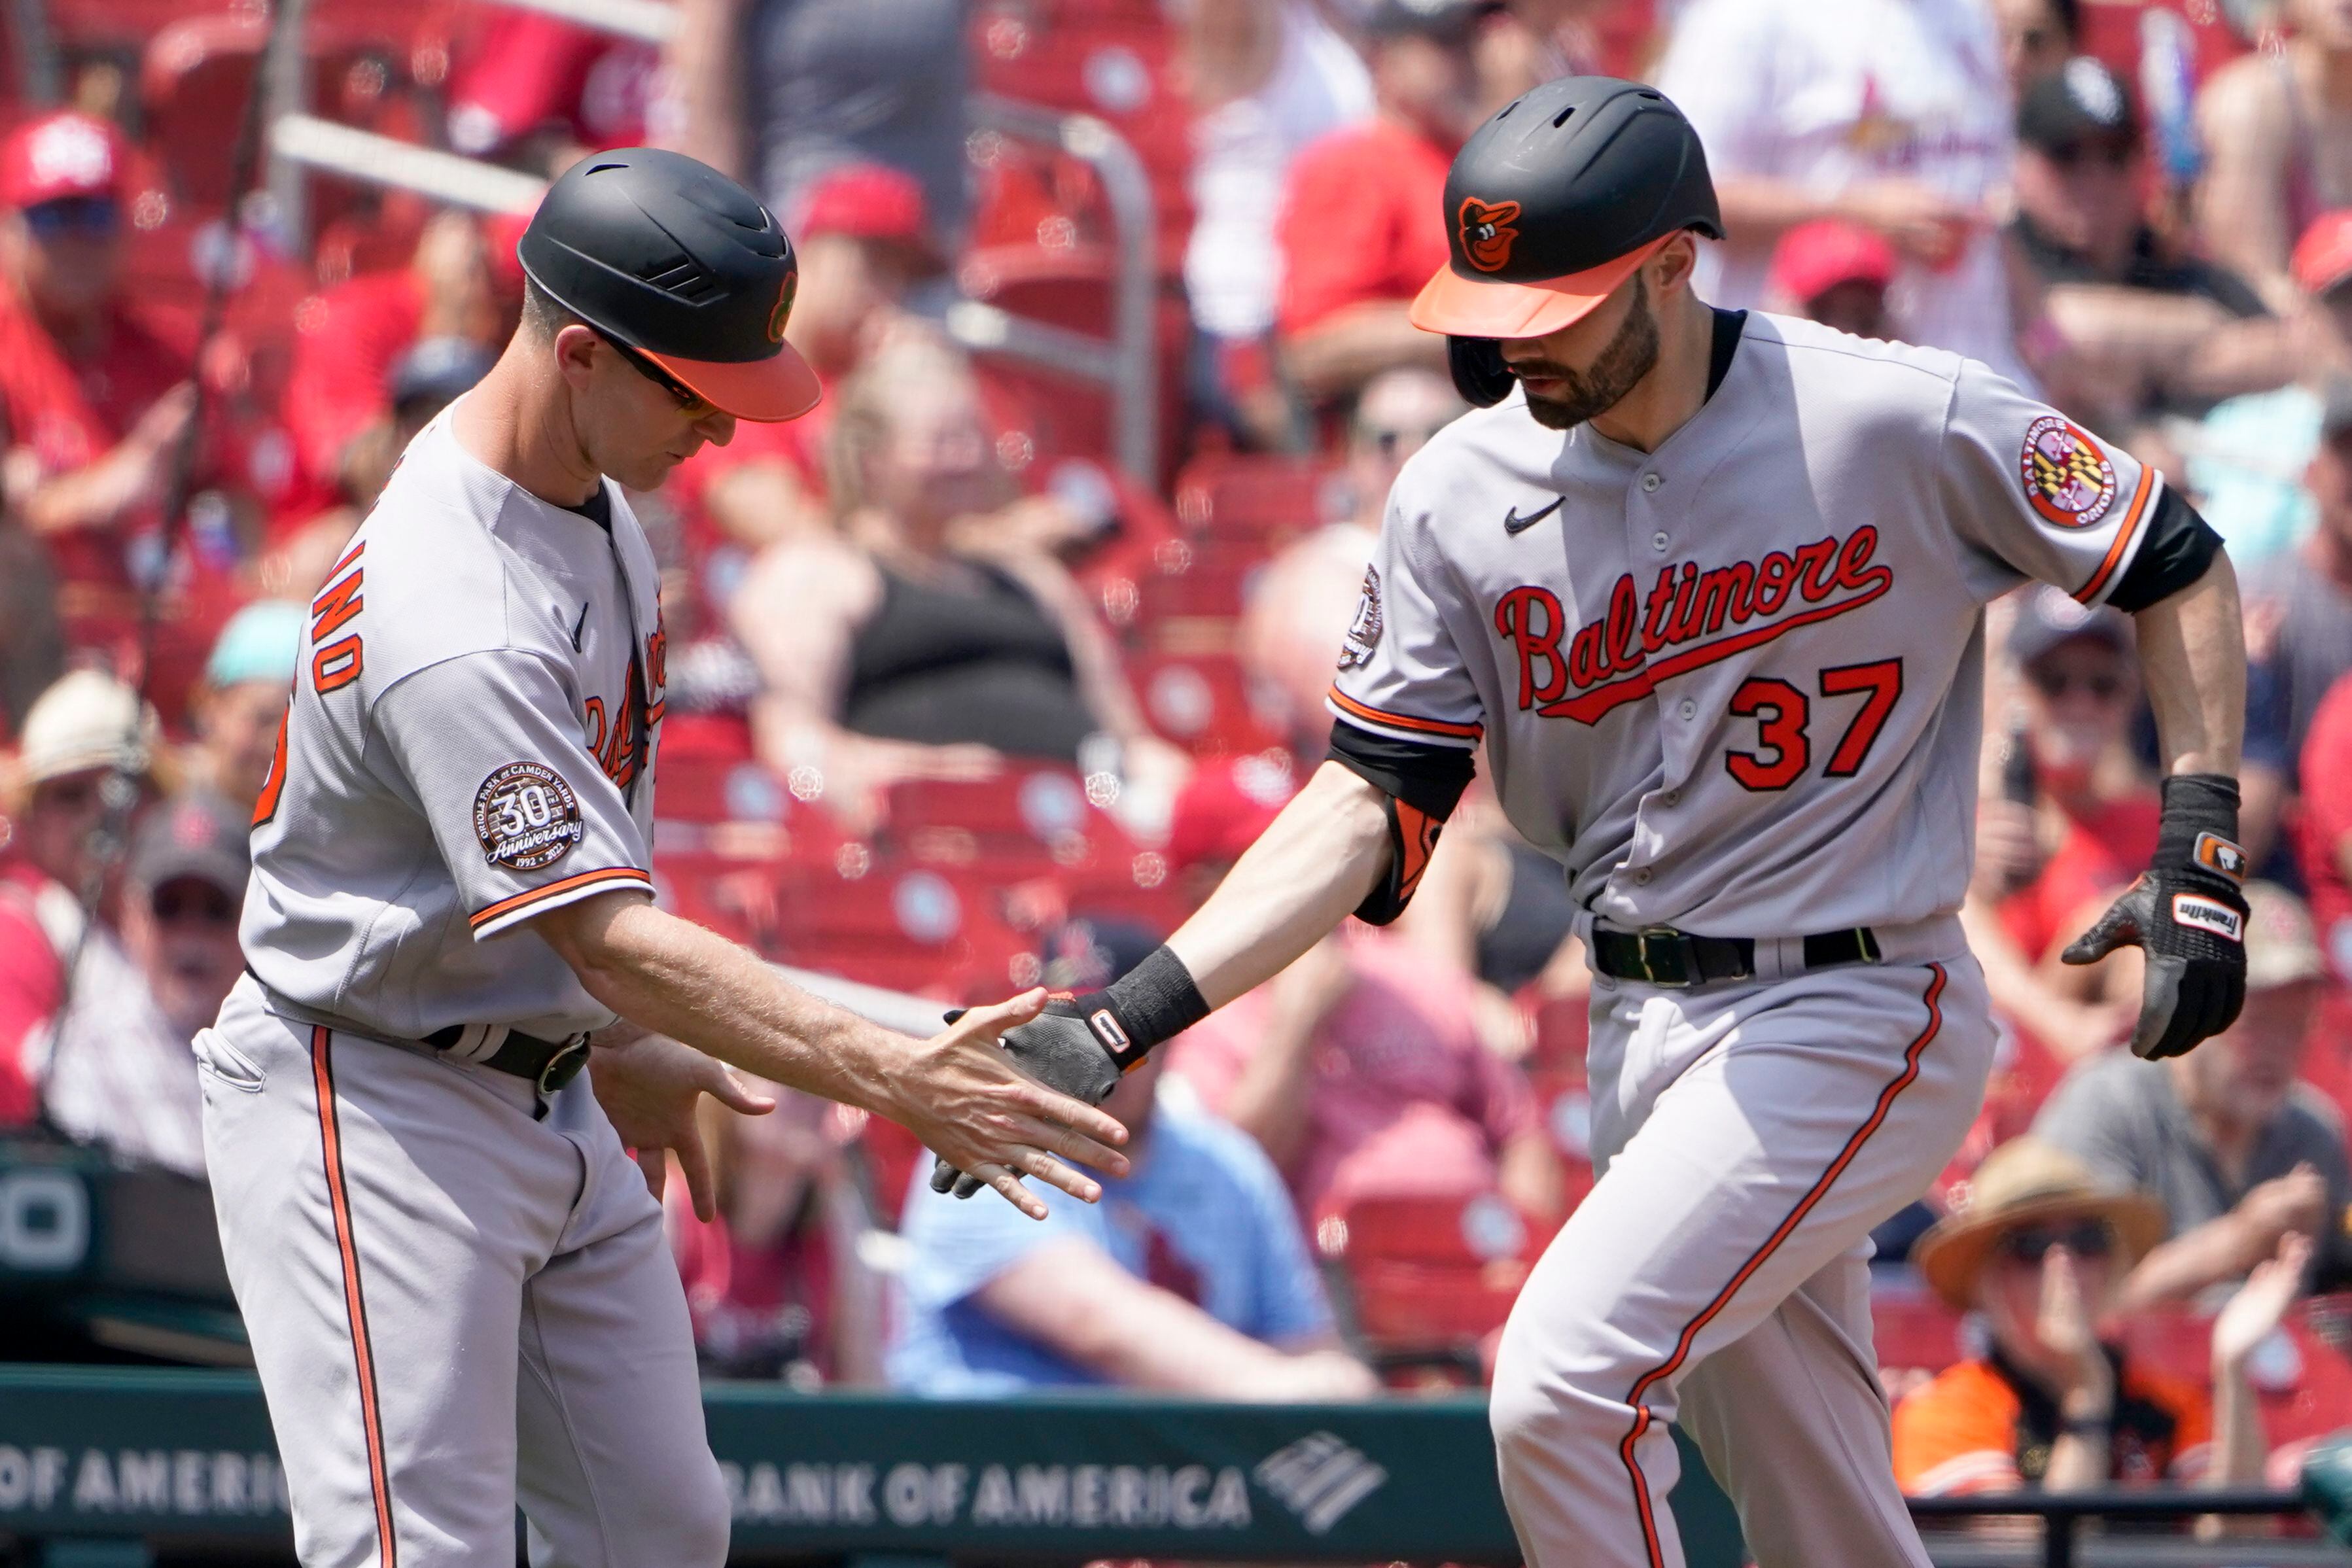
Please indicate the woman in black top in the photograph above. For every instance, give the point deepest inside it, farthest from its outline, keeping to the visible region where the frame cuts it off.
(919, 640)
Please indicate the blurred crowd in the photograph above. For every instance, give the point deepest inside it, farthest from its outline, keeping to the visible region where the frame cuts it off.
(959, 702)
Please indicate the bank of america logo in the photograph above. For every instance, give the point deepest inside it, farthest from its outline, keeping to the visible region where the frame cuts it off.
(1319, 1477)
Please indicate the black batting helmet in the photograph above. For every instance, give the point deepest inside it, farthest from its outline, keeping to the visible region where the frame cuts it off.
(669, 257)
(1555, 200)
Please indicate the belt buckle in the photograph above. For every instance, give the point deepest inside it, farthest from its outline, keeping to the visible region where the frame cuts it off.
(563, 1066)
(1685, 980)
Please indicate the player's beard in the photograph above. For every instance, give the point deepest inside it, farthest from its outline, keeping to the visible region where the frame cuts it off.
(1628, 357)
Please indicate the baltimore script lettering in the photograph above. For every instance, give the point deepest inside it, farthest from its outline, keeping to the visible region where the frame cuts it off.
(1613, 660)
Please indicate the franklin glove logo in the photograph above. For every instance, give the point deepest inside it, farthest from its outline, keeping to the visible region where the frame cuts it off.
(1321, 1477)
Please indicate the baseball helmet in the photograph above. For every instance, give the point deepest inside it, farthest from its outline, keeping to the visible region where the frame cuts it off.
(673, 260)
(1549, 206)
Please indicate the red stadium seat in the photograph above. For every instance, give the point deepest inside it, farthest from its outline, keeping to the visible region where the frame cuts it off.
(1428, 1277)
(1260, 500)
(1203, 702)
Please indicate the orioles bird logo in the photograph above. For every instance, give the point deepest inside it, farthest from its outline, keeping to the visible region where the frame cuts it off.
(1487, 234)
(784, 311)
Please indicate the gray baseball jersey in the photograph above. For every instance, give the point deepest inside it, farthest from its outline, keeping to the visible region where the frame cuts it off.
(1734, 685)
(462, 753)
(456, 1286)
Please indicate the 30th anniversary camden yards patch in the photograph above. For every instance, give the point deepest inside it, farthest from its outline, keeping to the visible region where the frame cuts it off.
(526, 817)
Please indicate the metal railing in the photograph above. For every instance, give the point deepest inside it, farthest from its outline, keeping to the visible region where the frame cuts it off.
(1127, 361)
(2064, 1544)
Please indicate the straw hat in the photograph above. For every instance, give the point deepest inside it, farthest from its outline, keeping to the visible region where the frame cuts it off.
(84, 720)
(2024, 1182)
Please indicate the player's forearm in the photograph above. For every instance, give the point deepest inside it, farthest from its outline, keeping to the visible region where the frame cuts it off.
(2192, 653)
(1305, 875)
(670, 976)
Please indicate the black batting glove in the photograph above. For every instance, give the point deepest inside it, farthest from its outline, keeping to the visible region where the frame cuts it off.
(1081, 1044)
(2187, 914)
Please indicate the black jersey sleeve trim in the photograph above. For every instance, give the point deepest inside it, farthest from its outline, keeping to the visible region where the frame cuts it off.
(1430, 779)
(2180, 548)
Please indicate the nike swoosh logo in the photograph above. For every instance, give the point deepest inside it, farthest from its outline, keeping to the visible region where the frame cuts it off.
(1515, 524)
(579, 626)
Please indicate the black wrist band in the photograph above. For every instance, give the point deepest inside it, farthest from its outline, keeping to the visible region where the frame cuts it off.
(2200, 825)
(2085, 1425)
(1155, 1000)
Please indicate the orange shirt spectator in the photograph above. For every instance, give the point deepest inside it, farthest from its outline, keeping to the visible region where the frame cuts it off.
(2041, 1252)
(1979, 1426)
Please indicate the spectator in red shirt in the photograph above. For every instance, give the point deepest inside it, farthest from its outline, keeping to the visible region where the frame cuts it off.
(540, 92)
(1359, 1069)
(351, 338)
(80, 730)
(1360, 227)
(93, 400)
(2066, 825)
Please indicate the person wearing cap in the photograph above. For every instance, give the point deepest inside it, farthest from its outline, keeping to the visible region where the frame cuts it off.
(84, 728)
(236, 709)
(1359, 1069)
(461, 1009)
(1593, 581)
(1891, 115)
(1192, 1276)
(2240, 1149)
(116, 1069)
(2134, 326)
(93, 396)
(2039, 1250)
(864, 244)
(2063, 826)
(2273, 126)
(426, 377)
(1834, 271)
(1353, 226)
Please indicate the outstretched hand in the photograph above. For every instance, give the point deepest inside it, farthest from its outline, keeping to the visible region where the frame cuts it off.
(1059, 1050)
(650, 1089)
(975, 1107)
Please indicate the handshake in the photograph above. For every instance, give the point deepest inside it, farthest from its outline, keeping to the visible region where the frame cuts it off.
(1081, 1044)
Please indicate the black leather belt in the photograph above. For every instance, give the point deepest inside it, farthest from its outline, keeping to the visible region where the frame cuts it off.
(1664, 957)
(548, 1064)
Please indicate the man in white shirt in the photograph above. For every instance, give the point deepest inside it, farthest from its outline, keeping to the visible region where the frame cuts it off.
(1895, 114)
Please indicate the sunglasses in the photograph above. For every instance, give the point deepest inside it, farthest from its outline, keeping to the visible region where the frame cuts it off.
(2055, 683)
(2113, 156)
(1386, 439)
(2084, 1239)
(194, 902)
(90, 216)
(691, 404)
